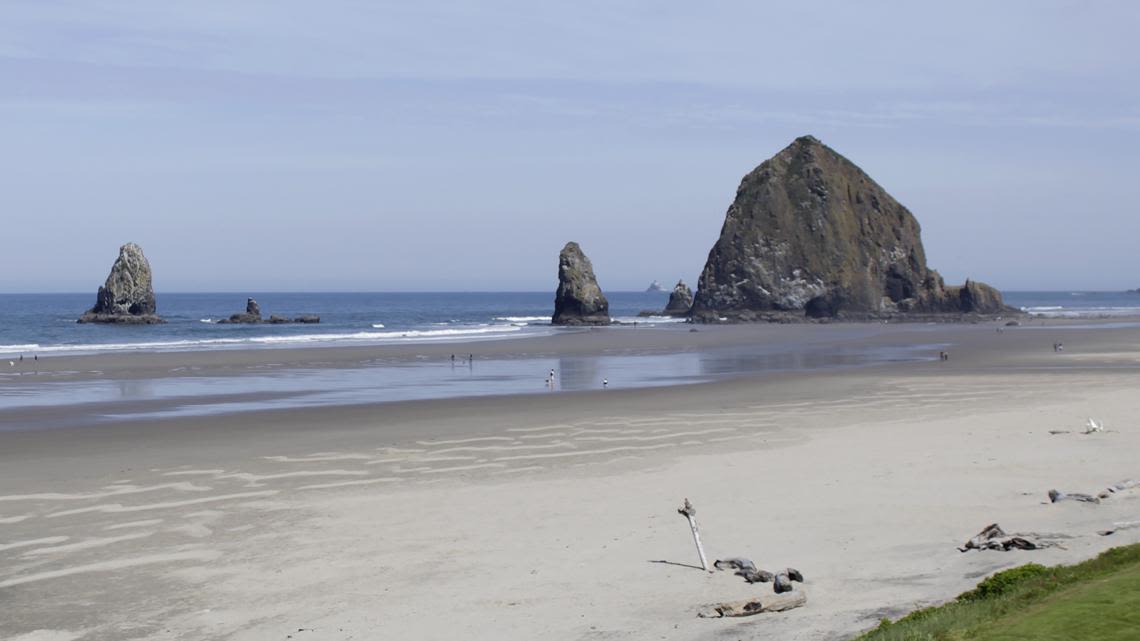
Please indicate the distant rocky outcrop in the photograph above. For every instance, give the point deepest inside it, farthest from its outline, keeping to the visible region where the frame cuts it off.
(252, 316)
(127, 297)
(654, 287)
(810, 234)
(579, 300)
(680, 300)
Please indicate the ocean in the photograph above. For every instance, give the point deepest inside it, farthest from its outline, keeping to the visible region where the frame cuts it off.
(45, 323)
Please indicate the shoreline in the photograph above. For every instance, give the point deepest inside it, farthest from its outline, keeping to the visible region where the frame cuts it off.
(94, 391)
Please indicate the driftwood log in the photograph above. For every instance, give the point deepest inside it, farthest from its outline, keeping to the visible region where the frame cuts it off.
(992, 537)
(1120, 486)
(1126, 484)
(1056, 496)
(1122, 525)
(748, 607)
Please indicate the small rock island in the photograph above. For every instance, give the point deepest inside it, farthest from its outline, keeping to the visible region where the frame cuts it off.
(680, 300)
(811, 236)
(579, 300)
(252, 316)
(127, 297)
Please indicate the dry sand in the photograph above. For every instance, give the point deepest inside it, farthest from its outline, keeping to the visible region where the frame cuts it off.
(554, 516)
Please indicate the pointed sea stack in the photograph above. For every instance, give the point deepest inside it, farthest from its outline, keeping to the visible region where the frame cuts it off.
(680, 300)
(128, 295)
(811, 235)
(579, 300)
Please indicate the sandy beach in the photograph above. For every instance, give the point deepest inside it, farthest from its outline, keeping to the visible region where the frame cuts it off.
(553, 515)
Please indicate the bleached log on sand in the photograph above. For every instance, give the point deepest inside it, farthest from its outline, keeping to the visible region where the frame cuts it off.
(756, 605)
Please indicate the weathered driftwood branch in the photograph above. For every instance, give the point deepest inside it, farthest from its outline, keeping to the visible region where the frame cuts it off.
(690, 513)
(1120, 486)
(748, 607)
(1126, 484)
(992, 537)
(1056, 496)
(735, 563)
(1121, 525)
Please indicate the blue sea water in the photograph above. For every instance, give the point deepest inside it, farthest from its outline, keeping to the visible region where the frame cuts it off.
(45, 323)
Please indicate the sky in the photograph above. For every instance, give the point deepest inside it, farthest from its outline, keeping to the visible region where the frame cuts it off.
(286, 145)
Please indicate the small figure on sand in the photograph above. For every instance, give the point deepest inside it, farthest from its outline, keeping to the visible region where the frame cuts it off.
(943, 356)
(1058, 347)
(605, 383)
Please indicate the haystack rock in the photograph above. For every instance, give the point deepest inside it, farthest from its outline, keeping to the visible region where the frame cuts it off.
(810, 234)
(680, 300)
(128, 295)
(579, 300)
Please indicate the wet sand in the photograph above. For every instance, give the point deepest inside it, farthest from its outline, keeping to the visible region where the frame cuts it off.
(553, 515)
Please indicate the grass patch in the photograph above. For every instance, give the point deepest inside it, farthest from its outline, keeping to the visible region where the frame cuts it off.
(1097, 599)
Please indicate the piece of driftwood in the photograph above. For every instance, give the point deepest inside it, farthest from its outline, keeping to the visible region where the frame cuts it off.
(748, 607)
(690, 513)
(747, 569)
(992, 537)
(1122, 525)
(1126, 484)
(735, 563)
(1056, 496)
(757, 576)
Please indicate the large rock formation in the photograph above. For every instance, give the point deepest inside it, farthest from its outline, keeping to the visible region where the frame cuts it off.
(579, 300)
(128, 295)
(811, 234)
(680, 300)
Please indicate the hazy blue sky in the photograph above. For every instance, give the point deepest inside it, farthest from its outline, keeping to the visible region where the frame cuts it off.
(370, 145)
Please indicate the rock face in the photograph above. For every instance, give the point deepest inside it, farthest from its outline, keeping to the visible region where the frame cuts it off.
(680, 300)
(654, 287)
(128, 295)
(811, 234)
(579, 300)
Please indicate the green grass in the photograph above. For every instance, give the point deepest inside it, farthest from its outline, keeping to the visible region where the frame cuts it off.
(1095, 600)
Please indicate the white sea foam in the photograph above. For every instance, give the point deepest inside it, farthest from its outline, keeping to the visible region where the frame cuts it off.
(1050, 311)
(287, 340)
(205, 320)
(522, 319)
(19, 348)
(378, 325)
(648, 320)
